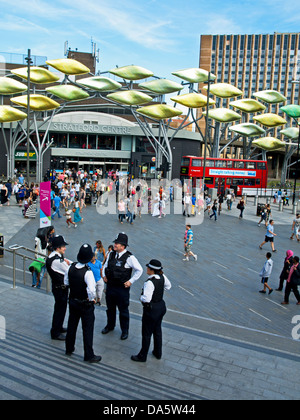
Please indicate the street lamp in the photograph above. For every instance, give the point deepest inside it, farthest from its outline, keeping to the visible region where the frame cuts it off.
(29, 62)
(293, 111)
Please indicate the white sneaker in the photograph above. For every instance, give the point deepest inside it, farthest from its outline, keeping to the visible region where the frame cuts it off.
(75, 226)
(196, 257)
(186, 259)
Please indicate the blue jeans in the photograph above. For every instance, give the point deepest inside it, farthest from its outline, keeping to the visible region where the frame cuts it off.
(130, 217)
(56, 212)
(214, 214)
(34, 277)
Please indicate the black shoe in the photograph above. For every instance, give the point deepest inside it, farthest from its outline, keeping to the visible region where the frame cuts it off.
(69, 353)
(60, 337)
(124, 335)
(137, 358)
(106, 330)
(270, 291)
(94, 359)
(262, 291)
(64, 330)
(155, 355)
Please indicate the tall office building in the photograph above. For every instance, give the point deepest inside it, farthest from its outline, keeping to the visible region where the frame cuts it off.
(255, 62)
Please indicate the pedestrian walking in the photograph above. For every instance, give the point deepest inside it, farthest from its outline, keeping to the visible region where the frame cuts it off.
(121, 210)
(68, 214)
(241, 207)
(188, 242)
(80, 280)
(120, 271)
(56, 203)
(269, 237)
(214, 210)
(77, 217)
(292, 283)
(266, 273)
(263, 216)
(229, 200)
(187, 203)
(295, 227)
(57, 265)
(154, 309)
(288, 262)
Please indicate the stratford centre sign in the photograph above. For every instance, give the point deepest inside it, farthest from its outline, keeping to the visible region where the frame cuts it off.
(89, 128)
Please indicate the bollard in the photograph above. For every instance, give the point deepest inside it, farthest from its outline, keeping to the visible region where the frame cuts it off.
(256, 200)
(295, 207)
(1, 244)
(280, 208)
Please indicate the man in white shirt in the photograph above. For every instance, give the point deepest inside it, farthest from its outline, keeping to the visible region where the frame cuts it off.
(120, 271)
(57, 266)
(154, 309)
(81, 282)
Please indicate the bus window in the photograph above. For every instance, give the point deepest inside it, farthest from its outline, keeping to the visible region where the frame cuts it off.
(237, 181)
(261, 165)
(229, 164)
(220, 164)
(185, 162)
(257, 181)
(196, 162)
(239, 165)
(250, 165)
(210, 164)
(229, 181)
(209, 180)
(249, 182)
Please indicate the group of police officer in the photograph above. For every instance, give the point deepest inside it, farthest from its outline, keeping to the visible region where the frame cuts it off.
(75, 282)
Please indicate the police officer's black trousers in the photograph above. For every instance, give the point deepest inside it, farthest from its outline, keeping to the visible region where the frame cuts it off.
(85, 312)
(151, 325)
(117, 297)
(60, 308)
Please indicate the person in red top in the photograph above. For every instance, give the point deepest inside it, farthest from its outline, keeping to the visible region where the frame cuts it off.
(292, 283)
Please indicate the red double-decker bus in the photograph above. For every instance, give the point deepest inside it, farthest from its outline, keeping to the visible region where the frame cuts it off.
(223, 174)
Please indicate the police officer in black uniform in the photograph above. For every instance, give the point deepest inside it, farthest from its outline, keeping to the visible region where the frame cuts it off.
(82, 285)
(57, 265)
(120, 271)
(154, 309)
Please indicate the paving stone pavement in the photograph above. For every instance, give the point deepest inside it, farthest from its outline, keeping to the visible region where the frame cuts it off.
(214, 346)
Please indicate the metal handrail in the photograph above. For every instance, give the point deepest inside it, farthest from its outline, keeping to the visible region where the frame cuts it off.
(13, 250)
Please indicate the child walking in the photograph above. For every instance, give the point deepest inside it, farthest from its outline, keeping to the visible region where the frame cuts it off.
(266, 272)
(68, 215)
